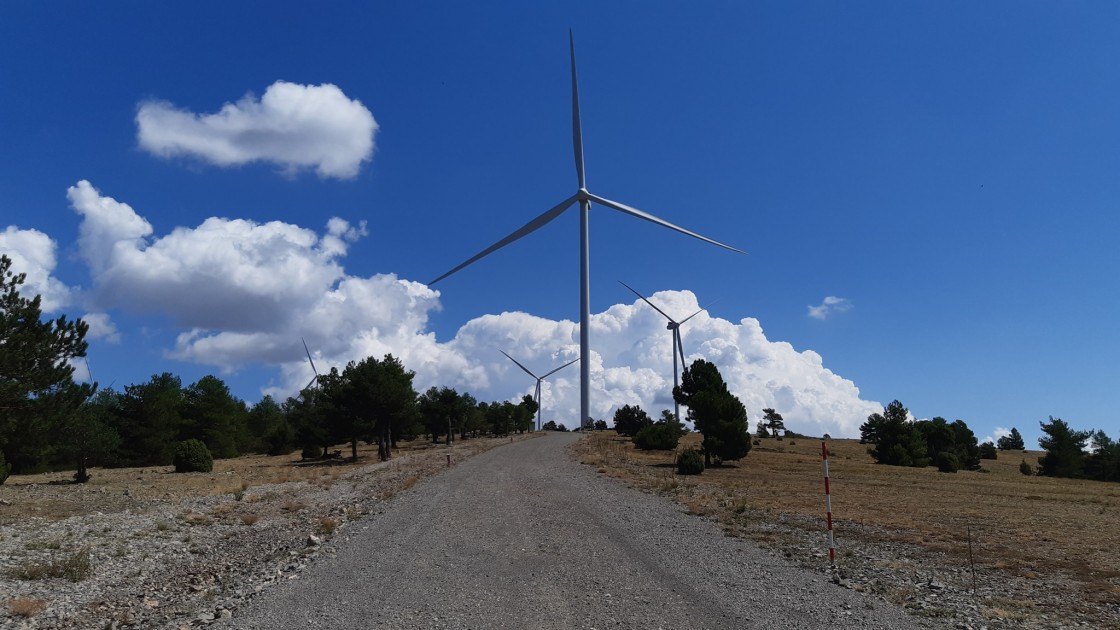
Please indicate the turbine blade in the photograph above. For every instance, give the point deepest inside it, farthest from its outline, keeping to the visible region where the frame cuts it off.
(309, 357)
(706, 307)
(518, 364)
(312, 381)
(691, 316)
(577, 128)
(645, 300)
(680, 346)
(652, 219)
(528, 228)
(559, 368)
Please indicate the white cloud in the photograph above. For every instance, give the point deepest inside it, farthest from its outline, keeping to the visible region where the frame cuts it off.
(830, 305)
(33, 253)
(101, 327)
(295, 126)
(228, 274)
(245, 293)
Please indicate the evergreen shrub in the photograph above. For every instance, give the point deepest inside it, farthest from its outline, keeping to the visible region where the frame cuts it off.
(192, 456)
(947, 462)
(657, 437)
(690, 462)
(988, 451)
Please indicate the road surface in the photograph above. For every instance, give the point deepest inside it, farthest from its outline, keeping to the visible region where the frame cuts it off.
(524, 537)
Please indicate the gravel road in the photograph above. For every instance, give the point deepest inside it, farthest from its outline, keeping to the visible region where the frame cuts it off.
(522, 536)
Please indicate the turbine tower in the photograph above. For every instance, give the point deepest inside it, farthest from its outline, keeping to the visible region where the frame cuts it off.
(674, 326)
(539, 380)
(584, 198)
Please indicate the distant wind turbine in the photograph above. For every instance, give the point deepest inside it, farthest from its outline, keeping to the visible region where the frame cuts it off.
(674, 326)
(584, 198)
(314, 379)
(539, 380)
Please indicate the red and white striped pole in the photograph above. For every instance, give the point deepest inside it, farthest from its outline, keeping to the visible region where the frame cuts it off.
(828, 504)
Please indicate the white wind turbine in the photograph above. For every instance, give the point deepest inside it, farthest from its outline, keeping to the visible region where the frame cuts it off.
(584, 198)
(674, 326)
(314, 379)
(540, 379)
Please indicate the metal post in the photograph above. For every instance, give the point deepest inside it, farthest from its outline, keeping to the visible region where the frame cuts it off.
(828, 505)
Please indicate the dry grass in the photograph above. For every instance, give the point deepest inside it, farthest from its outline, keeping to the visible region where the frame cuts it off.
(196, 518)
(1021, 526)
(74, 567)
(249, 519)
(26, 606)
(327, 525)
(54, 497)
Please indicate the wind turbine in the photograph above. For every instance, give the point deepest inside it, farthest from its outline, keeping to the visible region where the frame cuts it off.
(674, 326)
(584, 198)
(539, 380)
(314, 379)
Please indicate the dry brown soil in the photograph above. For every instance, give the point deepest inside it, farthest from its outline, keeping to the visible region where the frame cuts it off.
(1042, 550)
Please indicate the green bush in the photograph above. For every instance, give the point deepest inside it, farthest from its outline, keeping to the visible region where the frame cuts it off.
(988, 451)
(5, 468)
(1025, 468)
(947, 462)
(690, 462)
(658, 437)
(280, 440)
(192, 456)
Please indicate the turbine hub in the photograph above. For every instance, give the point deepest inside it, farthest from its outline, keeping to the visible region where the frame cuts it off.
(672, 326)
(583, 195)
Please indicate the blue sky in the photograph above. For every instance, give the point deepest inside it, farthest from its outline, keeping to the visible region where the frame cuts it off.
(946, 172)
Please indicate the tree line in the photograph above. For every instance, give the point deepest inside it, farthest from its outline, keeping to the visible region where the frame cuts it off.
(900, 441)
(50, 422)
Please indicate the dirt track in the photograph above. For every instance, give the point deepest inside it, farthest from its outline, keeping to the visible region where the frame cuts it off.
(523, 537)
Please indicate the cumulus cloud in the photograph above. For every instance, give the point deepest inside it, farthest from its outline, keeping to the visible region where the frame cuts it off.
(292, 125)
(245, 293)
(229, 274)
(102, 328)
(829, 306)
(631, 359)
(33, 253)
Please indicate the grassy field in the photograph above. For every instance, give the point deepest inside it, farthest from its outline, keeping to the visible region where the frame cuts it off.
(53, 496)
(1021, 527)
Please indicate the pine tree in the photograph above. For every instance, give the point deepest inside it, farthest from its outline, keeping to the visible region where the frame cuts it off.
(1012, 442)
(36, 377)
(716, 413)
(1065, 456)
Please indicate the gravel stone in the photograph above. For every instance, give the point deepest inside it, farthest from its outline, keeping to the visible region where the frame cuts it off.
(523, 537)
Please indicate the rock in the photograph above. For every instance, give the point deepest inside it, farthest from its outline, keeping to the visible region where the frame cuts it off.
(314, 541)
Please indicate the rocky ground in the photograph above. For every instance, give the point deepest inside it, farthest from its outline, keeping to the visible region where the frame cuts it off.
(129, 561)
(926, 583)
